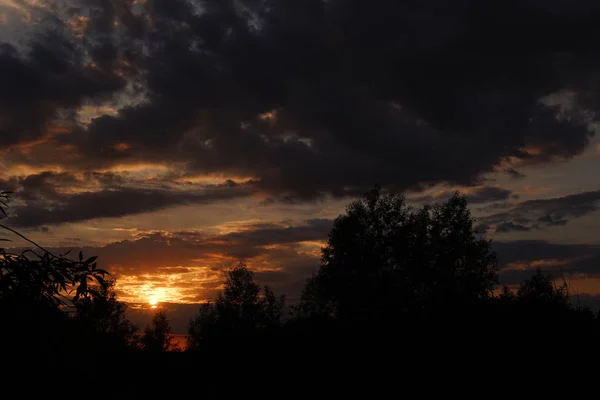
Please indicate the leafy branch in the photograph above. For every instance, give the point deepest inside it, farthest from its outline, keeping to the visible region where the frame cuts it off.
(46, 276)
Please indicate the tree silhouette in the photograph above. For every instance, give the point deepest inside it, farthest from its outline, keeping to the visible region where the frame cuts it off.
(36, 286)
(157, 337)
(241, 310)
(542, 289)
(384, 258)
(105, 316)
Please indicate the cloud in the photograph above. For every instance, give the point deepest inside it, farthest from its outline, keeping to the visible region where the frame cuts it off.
(514, 174)
(510, 226)
(476, 195)
(542, 213)
(58, 198)
(309, 97)
(190, 266)
(518, 260)
(44, 84)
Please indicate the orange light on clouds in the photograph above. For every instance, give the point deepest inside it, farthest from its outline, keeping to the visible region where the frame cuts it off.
(121, 147)
(53, 131)
(141, 169)
(158, 288)
(247, 225)
(213, 179)
(78, 25)
(153, 303)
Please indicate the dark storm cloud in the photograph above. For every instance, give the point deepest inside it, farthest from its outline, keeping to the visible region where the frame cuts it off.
(56, 198)
(518, 260)
(316, 97)
(544, 212)
(46, 81)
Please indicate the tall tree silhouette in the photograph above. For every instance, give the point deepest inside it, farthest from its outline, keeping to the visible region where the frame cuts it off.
(384, 258)
(157, 336)
(241, 310)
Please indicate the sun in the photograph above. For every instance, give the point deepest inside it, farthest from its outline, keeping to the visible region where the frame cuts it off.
(153, 303)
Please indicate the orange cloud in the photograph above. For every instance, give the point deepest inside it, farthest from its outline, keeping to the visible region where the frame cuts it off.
(26, 147)
(141, 171)
(78, 25)
(121, 147)
(185, 288)
(542, 264)
(584, 285)
(213, 179)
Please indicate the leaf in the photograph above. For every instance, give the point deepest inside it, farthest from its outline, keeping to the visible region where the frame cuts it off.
(91, 260)
(101, 281)
(102, 271)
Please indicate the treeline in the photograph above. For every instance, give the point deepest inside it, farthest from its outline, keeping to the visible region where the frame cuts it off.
(391, 278)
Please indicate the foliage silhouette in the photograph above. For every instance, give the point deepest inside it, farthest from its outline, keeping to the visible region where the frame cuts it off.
(540, 301)
(105, 316)
(385, 259)
(55, 303)
(392, 280)
(39, 275)
(4, 199)
(157, 337)
(241, 310)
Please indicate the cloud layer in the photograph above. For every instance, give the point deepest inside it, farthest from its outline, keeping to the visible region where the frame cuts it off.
(542, 213)
(307, 97)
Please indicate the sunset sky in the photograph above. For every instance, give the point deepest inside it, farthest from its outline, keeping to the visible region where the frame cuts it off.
(173, 137)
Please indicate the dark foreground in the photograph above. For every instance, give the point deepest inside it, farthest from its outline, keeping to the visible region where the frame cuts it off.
(441, 359)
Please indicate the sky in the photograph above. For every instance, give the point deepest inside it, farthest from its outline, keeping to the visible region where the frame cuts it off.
(173, 138)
